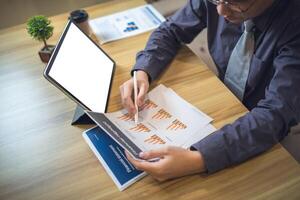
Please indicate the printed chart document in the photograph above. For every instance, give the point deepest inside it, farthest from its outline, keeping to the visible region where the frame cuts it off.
(112, 157)
(126, 23)
(164, 119)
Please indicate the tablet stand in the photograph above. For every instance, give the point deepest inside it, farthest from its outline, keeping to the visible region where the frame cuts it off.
(80, 117)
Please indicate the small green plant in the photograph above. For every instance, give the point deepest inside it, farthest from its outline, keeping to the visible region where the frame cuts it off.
(39, 28)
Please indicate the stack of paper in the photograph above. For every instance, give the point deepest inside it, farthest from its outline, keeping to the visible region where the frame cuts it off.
(164, 119)
(126, 23)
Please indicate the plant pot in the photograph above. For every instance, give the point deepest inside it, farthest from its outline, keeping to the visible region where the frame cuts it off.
(45, 53)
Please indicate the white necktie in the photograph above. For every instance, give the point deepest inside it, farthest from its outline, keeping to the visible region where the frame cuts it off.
(239, 62)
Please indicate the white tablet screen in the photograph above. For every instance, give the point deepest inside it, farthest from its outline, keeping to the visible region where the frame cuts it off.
(83, 69)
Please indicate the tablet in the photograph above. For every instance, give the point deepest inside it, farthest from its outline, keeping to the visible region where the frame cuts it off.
(81, 69)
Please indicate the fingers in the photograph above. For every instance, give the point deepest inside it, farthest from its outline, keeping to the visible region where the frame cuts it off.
(141, 165)
(152, 168)
(138, 164)
(132, 160)
(143, 88)
(126, 93)
(157, 153)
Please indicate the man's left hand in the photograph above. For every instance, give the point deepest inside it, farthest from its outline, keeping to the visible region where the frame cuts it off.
(173, 162)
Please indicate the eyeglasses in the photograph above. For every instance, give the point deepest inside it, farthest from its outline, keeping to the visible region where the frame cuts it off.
(232, 5)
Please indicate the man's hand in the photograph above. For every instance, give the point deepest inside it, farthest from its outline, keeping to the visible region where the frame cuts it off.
(126, 90)
(173, 162)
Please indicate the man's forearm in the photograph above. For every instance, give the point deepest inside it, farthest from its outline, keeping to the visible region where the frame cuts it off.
(164, 42)
(250, 135)
(159, 52)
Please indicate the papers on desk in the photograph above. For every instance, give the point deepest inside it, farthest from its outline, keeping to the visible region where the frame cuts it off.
(127, 23)
(164, 119)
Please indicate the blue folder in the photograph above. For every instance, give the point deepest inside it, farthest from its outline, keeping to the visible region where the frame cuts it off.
(112, 157)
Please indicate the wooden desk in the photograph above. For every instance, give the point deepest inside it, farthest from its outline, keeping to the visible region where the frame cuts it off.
(43, 157)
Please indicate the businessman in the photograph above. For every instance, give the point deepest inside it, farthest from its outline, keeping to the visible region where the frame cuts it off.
(255, 45)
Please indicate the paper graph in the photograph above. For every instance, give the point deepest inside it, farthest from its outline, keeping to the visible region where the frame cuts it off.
(162, 114)
(140, 128)
(126, 117)
(176, 124)
(164, 119)
(148, 105)
(154, 139)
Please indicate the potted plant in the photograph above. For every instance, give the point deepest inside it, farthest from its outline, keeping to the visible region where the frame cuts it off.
(40, 29)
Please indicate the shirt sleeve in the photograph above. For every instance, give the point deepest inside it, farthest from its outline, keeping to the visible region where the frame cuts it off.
(164, 42)
(266, 124)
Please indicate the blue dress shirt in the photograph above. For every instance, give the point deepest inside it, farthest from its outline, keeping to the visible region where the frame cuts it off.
(272, 92)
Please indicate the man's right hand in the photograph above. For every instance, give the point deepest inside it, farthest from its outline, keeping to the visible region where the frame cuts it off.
(126, 90)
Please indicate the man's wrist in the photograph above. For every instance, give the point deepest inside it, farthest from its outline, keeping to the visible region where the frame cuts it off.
(143, 74)
(198, 161)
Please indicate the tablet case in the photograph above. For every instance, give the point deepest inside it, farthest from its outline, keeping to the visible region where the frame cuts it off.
(80, 118)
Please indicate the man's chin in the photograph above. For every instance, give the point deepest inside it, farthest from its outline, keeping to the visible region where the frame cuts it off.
(234, 21)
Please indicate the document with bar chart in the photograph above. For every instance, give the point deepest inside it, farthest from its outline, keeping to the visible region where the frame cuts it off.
(126, 23)
(164, 119)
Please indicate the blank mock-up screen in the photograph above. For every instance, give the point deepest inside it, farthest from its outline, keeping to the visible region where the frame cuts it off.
(83, 69)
